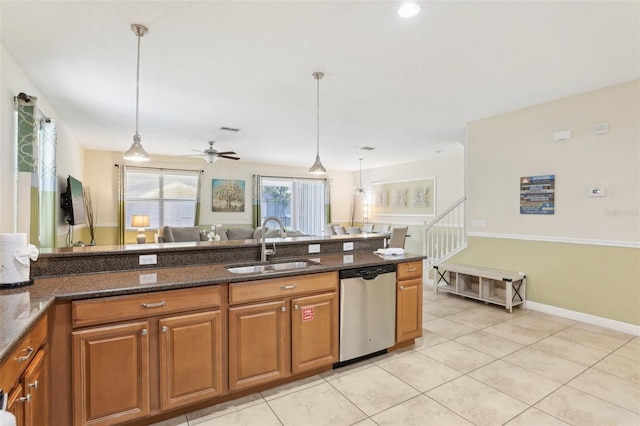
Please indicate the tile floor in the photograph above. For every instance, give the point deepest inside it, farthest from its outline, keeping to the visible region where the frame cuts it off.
(475, 365)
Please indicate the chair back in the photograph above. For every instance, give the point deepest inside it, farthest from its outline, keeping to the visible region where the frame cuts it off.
(354, 230)
(328, 229)
(382, 228)
(367, 227)
(398, 236)
(339, 230)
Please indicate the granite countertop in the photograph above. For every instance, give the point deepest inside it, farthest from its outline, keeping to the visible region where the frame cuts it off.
(21, 308)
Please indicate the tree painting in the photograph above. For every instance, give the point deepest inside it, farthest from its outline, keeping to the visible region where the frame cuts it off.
(227, 195)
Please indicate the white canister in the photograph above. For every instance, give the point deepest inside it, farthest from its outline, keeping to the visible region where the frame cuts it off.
(15, 255)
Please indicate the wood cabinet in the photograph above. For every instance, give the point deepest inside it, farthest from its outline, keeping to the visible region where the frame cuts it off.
(295, 328)
(408, 301)
(24, 378)
(160, 349)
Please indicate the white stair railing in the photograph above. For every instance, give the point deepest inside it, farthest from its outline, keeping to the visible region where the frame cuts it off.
(445, 235)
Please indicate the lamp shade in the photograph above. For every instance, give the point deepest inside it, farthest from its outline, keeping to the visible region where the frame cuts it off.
(139, 221)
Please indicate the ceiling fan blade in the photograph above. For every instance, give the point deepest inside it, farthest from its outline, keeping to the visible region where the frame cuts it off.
(190, 155)
(228, 157)
(195, 150)
(226, 153)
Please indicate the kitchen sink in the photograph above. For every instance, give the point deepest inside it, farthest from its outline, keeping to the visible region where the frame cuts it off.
(262, 268)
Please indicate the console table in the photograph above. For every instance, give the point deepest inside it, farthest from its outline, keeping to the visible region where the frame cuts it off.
(502, 288)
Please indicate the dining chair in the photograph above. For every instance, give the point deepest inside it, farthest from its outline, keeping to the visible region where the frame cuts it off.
(339, 230)
(328, 229)
(382, 228)
(354, 230)
(397, 237)
(367, 227)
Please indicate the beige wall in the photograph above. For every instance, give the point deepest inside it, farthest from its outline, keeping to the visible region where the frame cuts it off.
(583, 258)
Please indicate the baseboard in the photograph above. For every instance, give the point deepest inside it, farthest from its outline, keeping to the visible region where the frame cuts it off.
(623, 327)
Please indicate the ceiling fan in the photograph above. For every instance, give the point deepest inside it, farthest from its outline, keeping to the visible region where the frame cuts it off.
(211, 155)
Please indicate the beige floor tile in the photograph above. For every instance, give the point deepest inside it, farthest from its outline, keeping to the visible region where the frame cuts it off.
(606, 331)
(620, 366)
(554, 318)
(346, 370)
(589, 338)
(373, 389)
(292, 387)
(317, 405)
(585, 355)
(420, 371)
(176, 421)
(461, 302)
(439, 310)
(428, 339)
(615, 390)
(428, 317)
(499, 312)
(474, 319)
(515, 381)
(547, 365)
(200, 416)
(489, 343)
(366, 422)
(535, 417)
(419, 411)
(256, 415)
(536, 323)
(447, 328)
(398, 353)
(581, 409)
(457, 356)
(522, 335)
(477, 402)
(630, 350)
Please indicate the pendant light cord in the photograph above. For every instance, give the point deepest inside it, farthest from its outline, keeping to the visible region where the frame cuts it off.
(138, 79)
(318, 77)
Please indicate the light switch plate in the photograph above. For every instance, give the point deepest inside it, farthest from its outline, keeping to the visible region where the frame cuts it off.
(314, 248)
(148, 278)
(347, 258)
(347, 246)
(148, 259)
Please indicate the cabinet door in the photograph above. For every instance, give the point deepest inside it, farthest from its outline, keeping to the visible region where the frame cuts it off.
(34, 384)
(258, 342)
(314, 332)
(190, 358)
(110, 374)
(16, 405)
(408, 309)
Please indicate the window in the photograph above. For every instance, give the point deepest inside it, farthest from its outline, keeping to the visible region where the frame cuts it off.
(299, 203)
(169, 197)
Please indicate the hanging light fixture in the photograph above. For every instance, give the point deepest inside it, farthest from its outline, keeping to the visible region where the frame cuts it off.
(137, 152)
(318, 168)
(361, 190)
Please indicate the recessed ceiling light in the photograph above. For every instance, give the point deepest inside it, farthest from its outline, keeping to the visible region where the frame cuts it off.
(407, 10)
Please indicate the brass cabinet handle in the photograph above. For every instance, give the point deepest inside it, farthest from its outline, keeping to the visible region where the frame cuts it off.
(22, 359)
(154, 305)
(165, 329)
(288, 287)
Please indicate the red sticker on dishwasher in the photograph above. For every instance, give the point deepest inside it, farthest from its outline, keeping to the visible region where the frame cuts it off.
(308, 313)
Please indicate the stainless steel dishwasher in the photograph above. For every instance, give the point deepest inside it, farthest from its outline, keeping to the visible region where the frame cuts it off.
(367, 310)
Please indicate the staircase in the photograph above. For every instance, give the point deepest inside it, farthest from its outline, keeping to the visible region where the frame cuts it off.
(446, 235)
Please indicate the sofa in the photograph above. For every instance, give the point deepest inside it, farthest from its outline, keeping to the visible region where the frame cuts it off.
(176, 234)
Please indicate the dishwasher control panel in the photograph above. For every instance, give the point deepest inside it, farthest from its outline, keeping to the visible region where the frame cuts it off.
(368, 272)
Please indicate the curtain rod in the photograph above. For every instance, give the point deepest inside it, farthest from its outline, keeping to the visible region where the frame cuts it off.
(161, 168)
(291, 177)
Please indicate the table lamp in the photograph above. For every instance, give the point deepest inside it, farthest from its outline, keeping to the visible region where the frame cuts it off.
(140, 221)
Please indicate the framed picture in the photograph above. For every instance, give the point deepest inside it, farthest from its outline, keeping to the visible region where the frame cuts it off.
(227, 195)
(405, 197)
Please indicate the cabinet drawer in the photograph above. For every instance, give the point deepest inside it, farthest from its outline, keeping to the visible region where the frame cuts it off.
(409, 270)
(280, 287)
(119, 308)
(19, 359)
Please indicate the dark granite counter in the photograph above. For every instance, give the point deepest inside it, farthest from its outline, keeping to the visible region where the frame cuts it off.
(20, 308)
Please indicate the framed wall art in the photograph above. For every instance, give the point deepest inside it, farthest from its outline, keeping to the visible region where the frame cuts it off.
(405, 197)
(227, 195)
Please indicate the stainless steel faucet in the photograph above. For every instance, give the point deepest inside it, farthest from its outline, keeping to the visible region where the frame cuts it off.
(264, 252)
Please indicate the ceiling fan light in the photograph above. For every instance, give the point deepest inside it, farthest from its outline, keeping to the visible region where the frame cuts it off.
(136, 152)
(317, 168)
(211, 159)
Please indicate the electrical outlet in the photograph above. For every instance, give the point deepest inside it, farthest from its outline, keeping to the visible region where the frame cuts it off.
(347, 258)
(314, 248)
(148, 259)
(148, 278)
(347, 246)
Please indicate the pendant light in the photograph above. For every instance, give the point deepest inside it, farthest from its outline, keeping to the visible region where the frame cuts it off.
(137, 152)
(318, 168)
(361, 190)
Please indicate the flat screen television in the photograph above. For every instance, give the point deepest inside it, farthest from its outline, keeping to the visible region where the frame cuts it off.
(72, 202)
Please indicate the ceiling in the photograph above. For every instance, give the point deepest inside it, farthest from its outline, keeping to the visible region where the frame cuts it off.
(404, 86)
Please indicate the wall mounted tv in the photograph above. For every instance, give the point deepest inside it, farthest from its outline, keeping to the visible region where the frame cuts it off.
(72, 202)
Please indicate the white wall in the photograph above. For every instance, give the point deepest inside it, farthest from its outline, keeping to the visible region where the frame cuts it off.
(70, 153)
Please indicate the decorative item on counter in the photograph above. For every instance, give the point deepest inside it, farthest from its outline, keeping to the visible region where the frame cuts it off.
(213, 235)
(88, 211)
(6, 418)
(16, 255)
